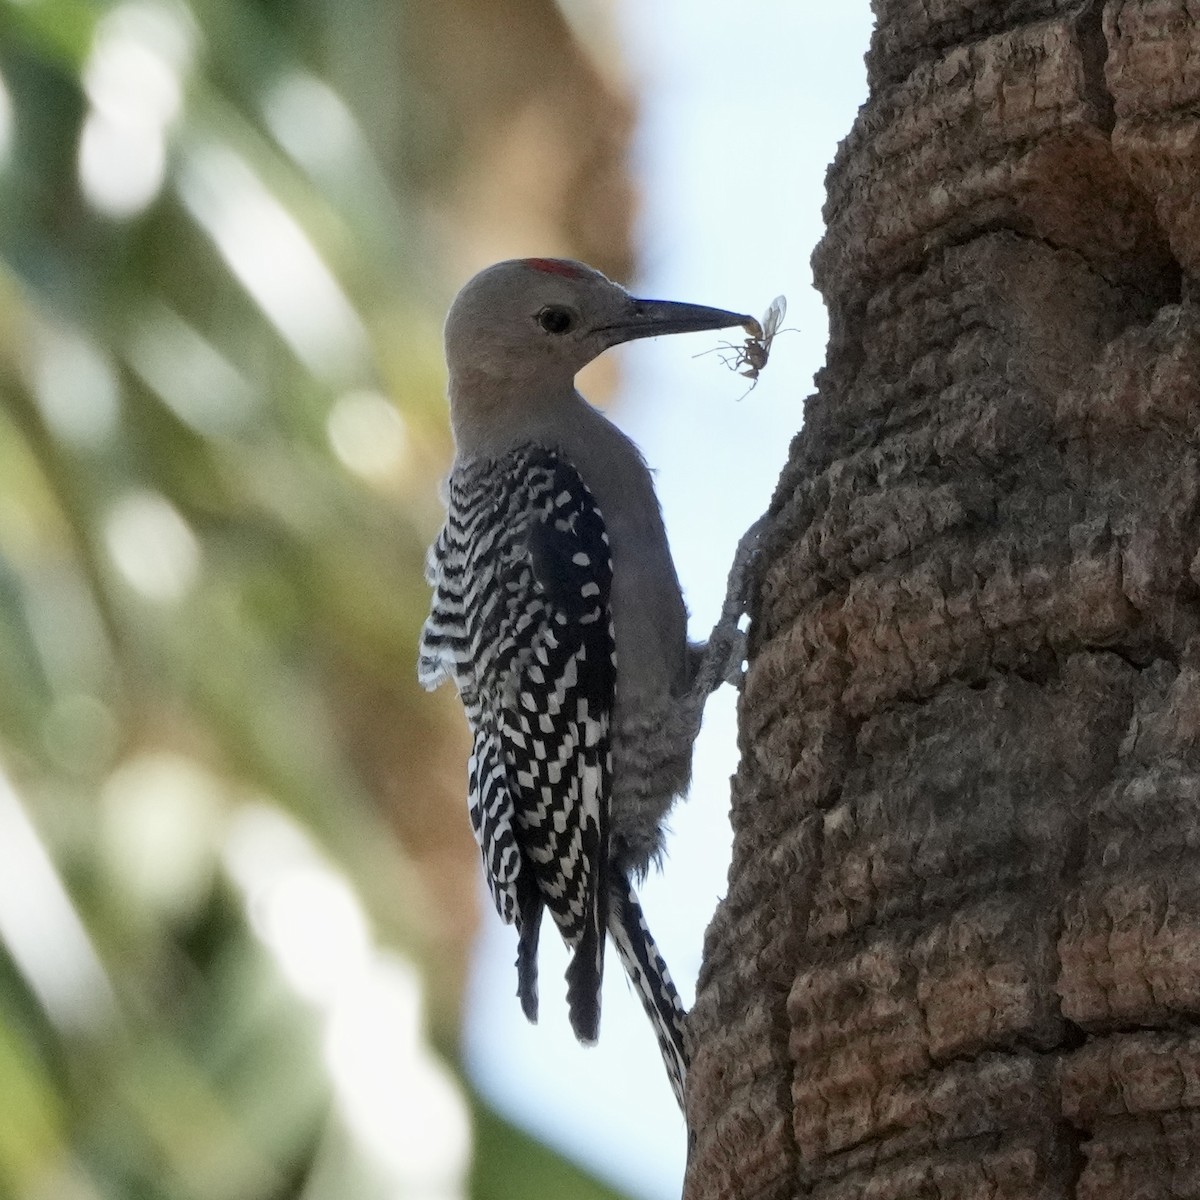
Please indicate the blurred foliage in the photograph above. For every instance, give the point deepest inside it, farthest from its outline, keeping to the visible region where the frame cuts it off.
(221, 430)
(510, 1165)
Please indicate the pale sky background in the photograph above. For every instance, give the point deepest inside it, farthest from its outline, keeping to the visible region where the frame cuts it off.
(741, 113)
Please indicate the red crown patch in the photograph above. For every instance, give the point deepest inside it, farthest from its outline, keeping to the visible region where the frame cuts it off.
(554, 266)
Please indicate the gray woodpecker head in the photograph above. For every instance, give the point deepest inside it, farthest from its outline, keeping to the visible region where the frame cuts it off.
(539, 321)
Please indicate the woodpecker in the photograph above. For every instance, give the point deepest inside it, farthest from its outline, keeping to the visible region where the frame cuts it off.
(557, 613)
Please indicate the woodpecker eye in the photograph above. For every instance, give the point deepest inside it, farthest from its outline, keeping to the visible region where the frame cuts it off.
(556, 320)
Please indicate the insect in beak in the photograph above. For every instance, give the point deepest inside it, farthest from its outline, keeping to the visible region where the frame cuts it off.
(751, 357)
(754, 354)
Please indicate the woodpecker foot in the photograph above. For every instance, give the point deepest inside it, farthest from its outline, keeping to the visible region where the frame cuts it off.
(723, 655)
(737, 591)
(735, 663)
(721, 659)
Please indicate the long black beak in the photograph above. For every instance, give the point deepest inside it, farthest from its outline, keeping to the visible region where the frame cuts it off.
(650, 318)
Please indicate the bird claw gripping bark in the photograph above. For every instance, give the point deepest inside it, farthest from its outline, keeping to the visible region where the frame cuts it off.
(557, 613)
(723, 655)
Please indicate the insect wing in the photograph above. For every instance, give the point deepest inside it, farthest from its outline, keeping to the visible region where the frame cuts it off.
(772, 319)
(758, 349)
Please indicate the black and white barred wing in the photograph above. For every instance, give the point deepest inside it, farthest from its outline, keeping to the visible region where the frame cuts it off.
(521, 621)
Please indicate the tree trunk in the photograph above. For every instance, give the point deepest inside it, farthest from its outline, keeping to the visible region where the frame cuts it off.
(960, 951)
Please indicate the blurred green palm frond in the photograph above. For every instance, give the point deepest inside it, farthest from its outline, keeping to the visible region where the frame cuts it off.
(223, 949)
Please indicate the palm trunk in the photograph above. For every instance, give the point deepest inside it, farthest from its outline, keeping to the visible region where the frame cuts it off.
(960, 951)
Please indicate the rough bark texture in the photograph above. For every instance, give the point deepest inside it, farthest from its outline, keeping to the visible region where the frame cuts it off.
(960, 951)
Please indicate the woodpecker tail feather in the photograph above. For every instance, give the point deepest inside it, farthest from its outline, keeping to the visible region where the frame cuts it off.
(586, 973)
(529, 926)
(649, 975)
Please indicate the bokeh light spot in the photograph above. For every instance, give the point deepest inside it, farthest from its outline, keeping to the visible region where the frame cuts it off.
(313, 922)
(40, 928)
(367, 434)
(310, 120)
(6, 125)
(152, 546)
(162, 813)
(272, 256)
(400, 1104)
(121, 167)
(134, 80)
(398, 1100)
(75, 385)
(199, 384)
(132, 74)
